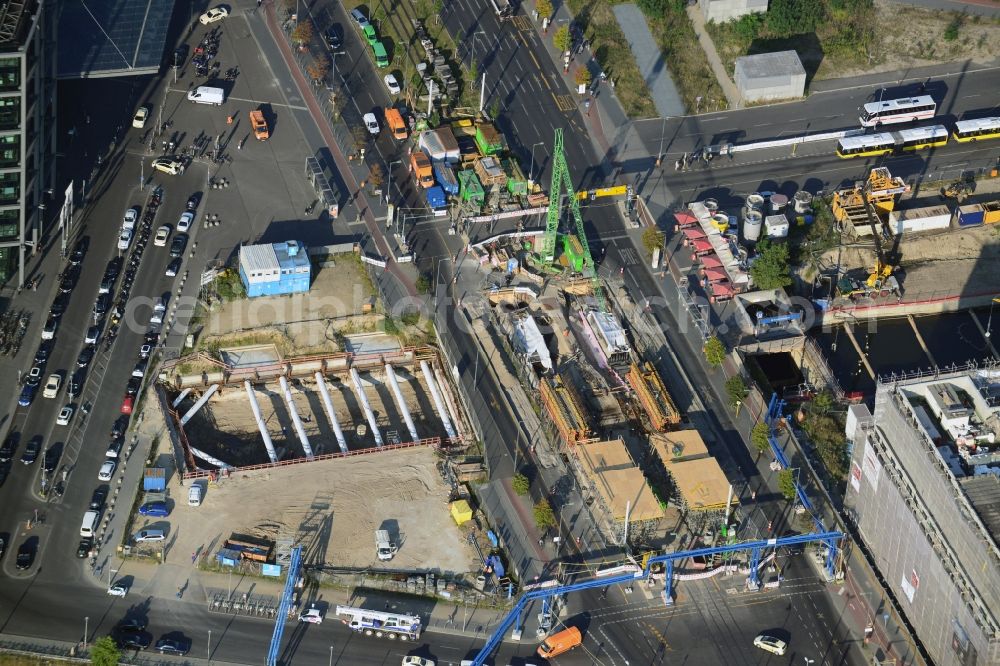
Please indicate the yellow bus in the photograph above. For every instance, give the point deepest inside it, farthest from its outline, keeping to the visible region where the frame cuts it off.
(886, 143)
(974, 130)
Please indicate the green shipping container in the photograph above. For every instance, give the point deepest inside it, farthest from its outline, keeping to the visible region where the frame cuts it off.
(471, 190)
(488, 140)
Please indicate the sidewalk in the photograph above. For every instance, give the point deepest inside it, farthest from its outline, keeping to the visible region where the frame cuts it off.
(707, 45)
(649, 59)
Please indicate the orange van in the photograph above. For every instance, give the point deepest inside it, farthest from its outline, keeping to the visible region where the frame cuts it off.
(556, 644)
(394, 119)
(421, 167)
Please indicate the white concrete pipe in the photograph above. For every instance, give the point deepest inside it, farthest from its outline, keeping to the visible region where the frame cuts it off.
(296, 421)
(179, 398)
(438, 402)
(400, 402)
(365, 405)
(268, 444)
(201, 401)
(330, 413)
(209, 459)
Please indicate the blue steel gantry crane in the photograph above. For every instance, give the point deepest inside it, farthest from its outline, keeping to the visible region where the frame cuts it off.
(286, 603)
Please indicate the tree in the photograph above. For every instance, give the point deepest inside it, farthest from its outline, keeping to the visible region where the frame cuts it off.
(473, 73)
(291, 6)
(822, 403)
(652, 238)
(561, 38)
(376, 176)
(737, 390)
(582, 76)
(318, 69)
(544, 8)
(786, 484)
(360, 135)
(544, 516)
(769, 269)
(303, 33)
(424, 283)
(759, 438)
(104, 652)
(520, 484)
(715, 351)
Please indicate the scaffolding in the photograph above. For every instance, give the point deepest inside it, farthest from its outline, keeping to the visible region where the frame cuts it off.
(564, 406)
(881, 190)
(653, 396)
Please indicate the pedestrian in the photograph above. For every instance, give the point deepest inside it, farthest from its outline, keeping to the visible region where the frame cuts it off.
(258, 3)
(194, 556)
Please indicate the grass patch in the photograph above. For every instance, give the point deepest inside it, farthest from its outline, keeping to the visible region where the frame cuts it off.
(685, 58)
(837, 34)
(611, 50)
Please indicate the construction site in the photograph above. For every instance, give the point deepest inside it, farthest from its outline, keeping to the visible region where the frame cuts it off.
(606, 408)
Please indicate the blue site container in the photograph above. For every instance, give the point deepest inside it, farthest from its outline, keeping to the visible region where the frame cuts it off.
(971, 215)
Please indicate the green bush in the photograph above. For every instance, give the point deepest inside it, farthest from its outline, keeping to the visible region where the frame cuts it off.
(652, 238)
(737, 389)
(520, 484)
(759, 437)
(423, 284)
(715, 351)
(104, 652)
(786, 484)
(770, 269)
(544, 516)
(951, 32)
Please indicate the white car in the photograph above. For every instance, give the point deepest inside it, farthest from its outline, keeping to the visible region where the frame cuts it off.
(168, 165)
(52, 385)
(49, 330)
(150, 535)
(213, 15)
(371, 123)
(124, 239)
(162, 234)
(771, 644)
(139, 119)
(312, 616)
(194, 495)
(118, 590)
(411, 660)
(107, 471)
(65, 414)
(392, 84)
(184, 223)
(131, 215)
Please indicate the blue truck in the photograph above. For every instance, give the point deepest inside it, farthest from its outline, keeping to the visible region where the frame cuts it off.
(446, 178)
(437, 200)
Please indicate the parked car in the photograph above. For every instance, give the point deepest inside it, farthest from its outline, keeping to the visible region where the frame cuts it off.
(27, 395)
(371, 123)
(155, 510)
(98, 497)
(194, 495)
(133, 386)
(192, 202)
(51, 459)
(107, 284)
(139, 119)
(9, 447)
(85, 357)
(139, 640)
(312, 616)
(162, 234)
(145, 350)
(79, 251)
(127, 404)
(140, 369)
(130, 218)
(213, 15)
(49, 330)
(26, 554)
(31, 450)
(184, 223)
(65, 415)
(75, 384)
(359, 18)
(42, 355)
(150, 535)
(114, 447)
(119, 590)
(52, 385)
(69, 279)
(84, 547)
(175, 646)
(178, 245)
(93, 333)
(107, 470)
(102, 304)
(392, 84)
(173, 267)
(168, 165)
(124, 239)
(59, 305)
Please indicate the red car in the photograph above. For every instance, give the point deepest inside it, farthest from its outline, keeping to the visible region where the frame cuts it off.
(127, 404)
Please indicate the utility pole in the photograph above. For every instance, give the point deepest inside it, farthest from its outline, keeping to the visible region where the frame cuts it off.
(663, 130)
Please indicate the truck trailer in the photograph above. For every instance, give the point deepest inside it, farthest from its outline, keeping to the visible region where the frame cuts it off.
(398, 626)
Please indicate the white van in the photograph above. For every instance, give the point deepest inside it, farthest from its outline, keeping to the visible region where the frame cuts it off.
(194, 495)
(89, 524)
(207, 95)
(385, 549)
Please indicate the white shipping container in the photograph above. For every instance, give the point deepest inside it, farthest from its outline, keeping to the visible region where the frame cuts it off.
(913, 220)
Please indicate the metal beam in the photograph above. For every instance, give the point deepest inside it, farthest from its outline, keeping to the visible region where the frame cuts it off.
(283, 608)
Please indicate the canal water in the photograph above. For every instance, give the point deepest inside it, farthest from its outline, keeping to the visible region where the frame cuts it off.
(892, 346)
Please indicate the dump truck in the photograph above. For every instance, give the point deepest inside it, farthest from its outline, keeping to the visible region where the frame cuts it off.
(259, 125)
(421, 167)
(436, 200)
(446, 177)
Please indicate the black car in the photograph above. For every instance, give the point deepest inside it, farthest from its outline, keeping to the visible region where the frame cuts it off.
(152, 335)
(192, 202)
(51, 460)
(178, 245)
(86, 545)
(119, 427)
(332, 38)
(114, 448)
(26, 554)
(4, 471)
(9, 447)
(42, 355)
(59, 305)
(3, 546)
(101, 304)
(134, 383)
(177, 646)
(133, 640)
(114, 268)
(97, 499)
(79, 252)
(75, 384)
(85, 357)
(31, 451)
(69, 279)
(131, 625)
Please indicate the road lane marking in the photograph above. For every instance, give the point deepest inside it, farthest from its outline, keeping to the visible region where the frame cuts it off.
(522, 23)
(564, 102)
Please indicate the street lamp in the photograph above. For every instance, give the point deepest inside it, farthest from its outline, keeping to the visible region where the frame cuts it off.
(331, 655)
(809, 661)
(86, 630)
(208, 647)
(388, 189)
(472, 60)
(531, 171)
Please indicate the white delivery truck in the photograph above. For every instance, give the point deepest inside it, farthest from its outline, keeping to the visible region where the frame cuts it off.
(384, 547)
(207, 95)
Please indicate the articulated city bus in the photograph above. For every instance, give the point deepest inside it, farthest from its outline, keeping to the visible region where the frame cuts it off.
(974, 130)
(885, 143)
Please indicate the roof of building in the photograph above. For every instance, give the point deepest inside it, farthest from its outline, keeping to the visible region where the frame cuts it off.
(678, 445)
(767, 65)
(701, 483)
(620, 483)
(272, 257)
(101, 38)
(528, 338)
(984, 493)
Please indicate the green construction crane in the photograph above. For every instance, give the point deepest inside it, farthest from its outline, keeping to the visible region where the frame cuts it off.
(561, 180)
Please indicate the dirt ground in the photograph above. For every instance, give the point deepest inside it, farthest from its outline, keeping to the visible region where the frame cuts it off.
(332, 508)
(225, 427)
(914, 37)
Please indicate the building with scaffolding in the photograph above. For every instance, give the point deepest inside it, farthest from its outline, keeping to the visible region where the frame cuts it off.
(564, 406)
(618, 485)
(698, 481)
(653, 396)
(27, 129)
(924, 493)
